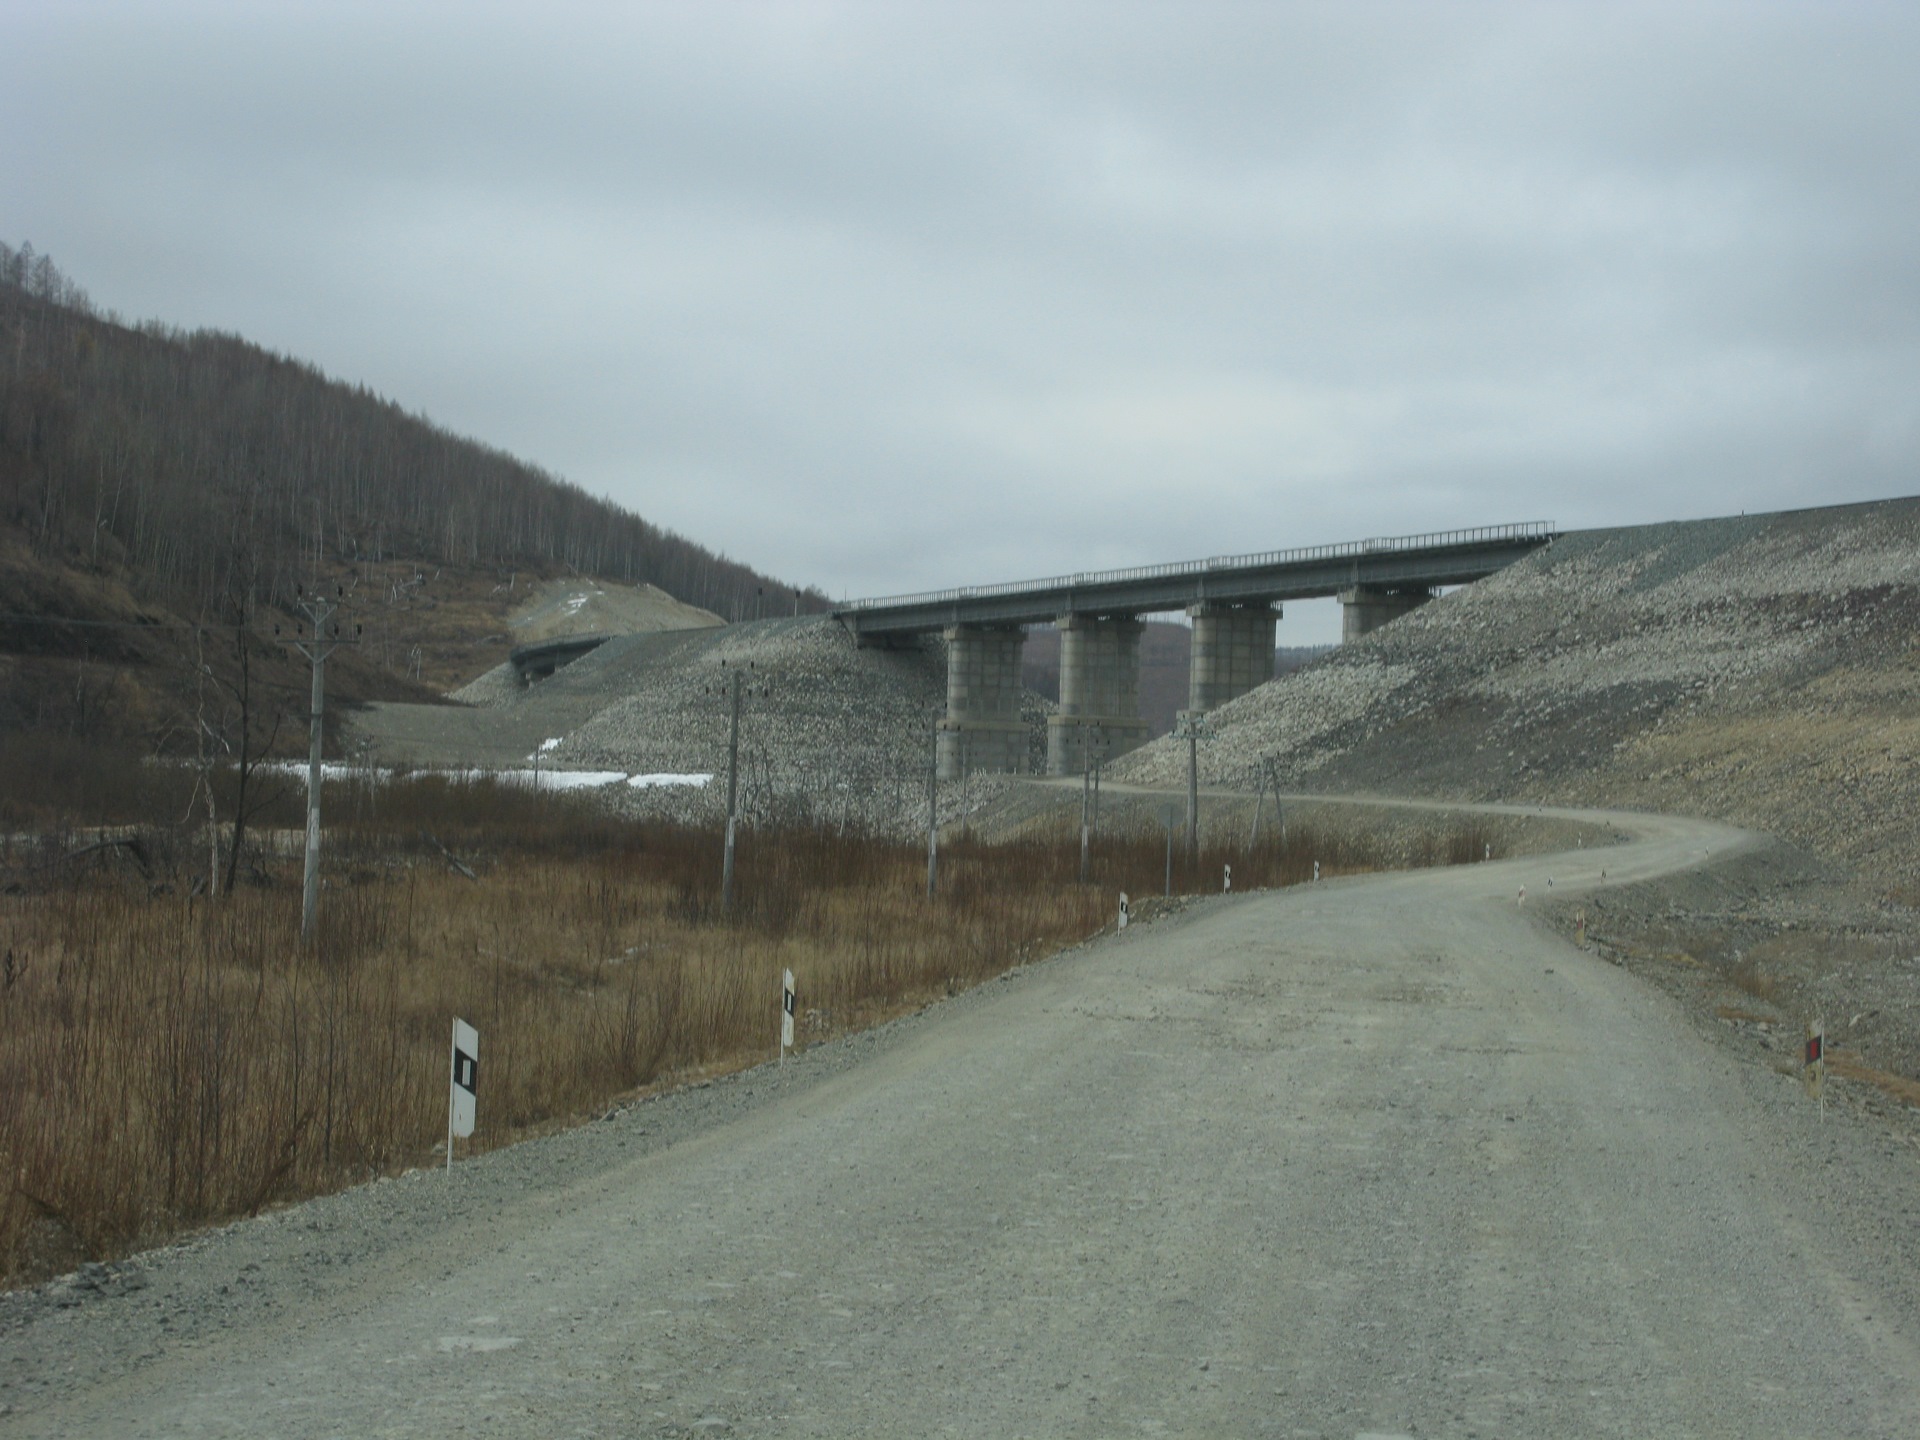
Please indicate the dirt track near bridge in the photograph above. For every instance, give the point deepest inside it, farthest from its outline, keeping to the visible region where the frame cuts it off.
(1374, 1156)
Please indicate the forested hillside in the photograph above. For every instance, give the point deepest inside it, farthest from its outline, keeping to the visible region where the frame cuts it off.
(161, 478)
(206, 462)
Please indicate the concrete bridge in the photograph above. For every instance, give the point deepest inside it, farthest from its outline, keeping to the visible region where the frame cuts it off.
(1233, 602)
(540, 659)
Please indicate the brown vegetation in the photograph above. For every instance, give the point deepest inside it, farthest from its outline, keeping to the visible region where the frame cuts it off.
(170, 1061)
(165, 494)
(194, 455)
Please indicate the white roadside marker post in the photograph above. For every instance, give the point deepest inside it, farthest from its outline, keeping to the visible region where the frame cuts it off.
(462, 1090)
(786, 1015)
(1124, 915)
(1226, 880)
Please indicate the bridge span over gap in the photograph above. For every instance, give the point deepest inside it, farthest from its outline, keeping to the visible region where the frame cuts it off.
(1233, 601)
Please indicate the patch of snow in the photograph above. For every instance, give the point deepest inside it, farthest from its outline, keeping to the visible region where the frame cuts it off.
(543, 779)
(557, 779)
(648, 782)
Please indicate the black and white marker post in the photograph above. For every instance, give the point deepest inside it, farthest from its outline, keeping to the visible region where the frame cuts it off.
(462, 1090)
(786, 1015)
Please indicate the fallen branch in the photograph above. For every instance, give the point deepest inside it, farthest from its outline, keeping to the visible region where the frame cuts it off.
(452, 859)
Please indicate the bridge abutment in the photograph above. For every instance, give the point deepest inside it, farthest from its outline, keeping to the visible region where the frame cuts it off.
(982, 729)
(1365, 608)
(1232, 652)
(1099, 714)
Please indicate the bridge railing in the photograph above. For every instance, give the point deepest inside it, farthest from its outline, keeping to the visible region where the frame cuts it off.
(1529, 530)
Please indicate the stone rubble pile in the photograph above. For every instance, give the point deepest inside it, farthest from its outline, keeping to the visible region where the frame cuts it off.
(1761, 669)
(829, 732)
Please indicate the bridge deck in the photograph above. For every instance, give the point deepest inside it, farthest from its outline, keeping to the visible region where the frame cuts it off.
(1451, 557)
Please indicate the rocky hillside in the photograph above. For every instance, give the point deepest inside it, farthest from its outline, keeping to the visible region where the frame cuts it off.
(827, 729)
(1764, 669)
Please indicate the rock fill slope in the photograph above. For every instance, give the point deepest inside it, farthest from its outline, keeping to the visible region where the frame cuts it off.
(591, 607)
(1762, 669)
(835, 724)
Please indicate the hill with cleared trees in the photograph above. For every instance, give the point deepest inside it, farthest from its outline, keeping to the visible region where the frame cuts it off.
(166, 494)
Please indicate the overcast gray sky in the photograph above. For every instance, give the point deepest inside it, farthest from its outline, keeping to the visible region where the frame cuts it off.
(881, 297)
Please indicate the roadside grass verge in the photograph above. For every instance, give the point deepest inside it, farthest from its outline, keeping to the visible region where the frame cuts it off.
(1897, 1087)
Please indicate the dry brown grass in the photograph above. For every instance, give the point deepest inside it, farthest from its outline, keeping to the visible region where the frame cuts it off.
(1851, 1067)
(1747, 975)
(170, 1061)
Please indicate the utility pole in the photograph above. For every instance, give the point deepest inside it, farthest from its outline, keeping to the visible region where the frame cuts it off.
(1193, 797)
(737, 686)
(1168, 814)
(1189, 726)
(933, 811)
(1086, 796)
(733, 796)
(1099, 762)
(319, 612)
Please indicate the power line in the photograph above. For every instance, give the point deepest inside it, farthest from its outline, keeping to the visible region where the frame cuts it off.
(13, 619)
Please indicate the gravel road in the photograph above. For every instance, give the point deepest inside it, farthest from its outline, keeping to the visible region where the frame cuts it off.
(1381, 1156)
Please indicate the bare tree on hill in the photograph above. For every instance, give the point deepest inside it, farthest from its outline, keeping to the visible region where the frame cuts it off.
(158, 446)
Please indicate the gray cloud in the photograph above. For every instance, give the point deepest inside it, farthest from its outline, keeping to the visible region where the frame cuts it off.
(885, 296)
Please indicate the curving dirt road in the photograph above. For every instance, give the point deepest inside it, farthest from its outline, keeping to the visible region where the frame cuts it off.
(1377, 1156)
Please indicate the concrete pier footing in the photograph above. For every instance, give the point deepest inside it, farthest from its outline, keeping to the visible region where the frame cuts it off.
(982, 729)
(1099, 715)
(1365, 608)
(1232, 652)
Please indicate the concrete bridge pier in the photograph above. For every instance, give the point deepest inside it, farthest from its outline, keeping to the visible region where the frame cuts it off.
(1232, 652)
(1099, 713)
(1365, 608)
(982, 729)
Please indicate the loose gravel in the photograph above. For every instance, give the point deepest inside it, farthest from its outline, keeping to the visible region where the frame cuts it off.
(1377, 1156)
(1763, 670)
